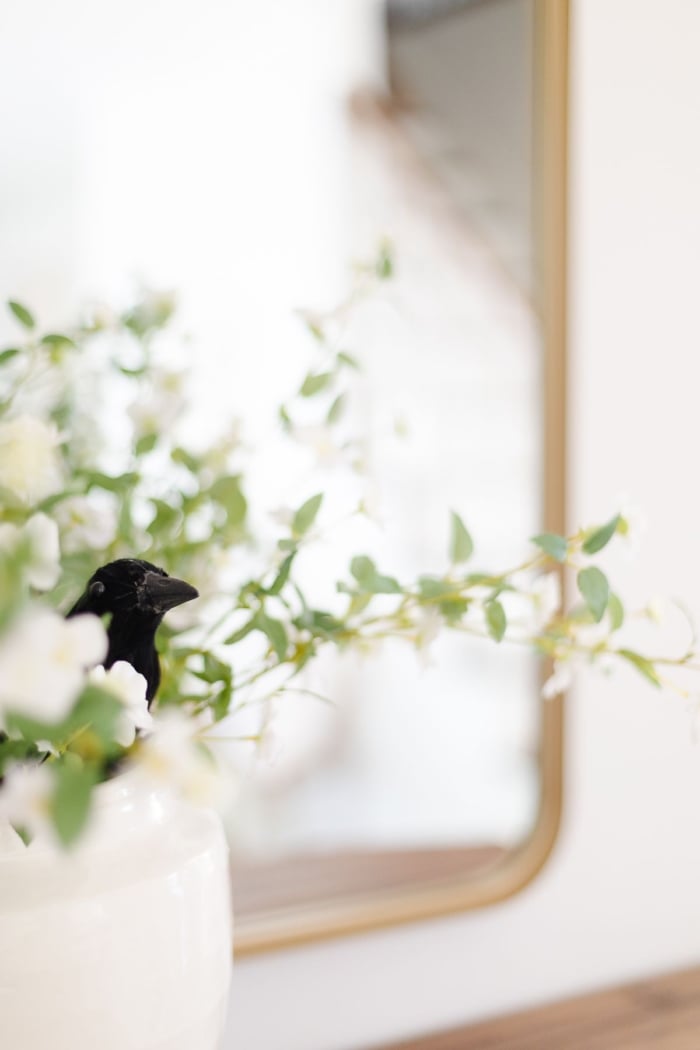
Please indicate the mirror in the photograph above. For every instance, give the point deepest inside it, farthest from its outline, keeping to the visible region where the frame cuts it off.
(433, 783)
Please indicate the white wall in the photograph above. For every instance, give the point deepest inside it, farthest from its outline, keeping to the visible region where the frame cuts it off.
(619, 897)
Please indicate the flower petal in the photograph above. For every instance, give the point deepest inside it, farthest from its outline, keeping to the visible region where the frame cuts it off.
(88, 639)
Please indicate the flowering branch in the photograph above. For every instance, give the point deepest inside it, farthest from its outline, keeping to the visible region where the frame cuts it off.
(71, 499)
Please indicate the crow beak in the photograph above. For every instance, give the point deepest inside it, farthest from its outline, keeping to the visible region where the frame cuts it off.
(165, 592)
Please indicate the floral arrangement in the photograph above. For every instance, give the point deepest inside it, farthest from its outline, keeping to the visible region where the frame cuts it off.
(73, 498)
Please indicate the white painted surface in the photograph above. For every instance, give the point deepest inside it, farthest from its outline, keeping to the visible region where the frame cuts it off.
(619, 898)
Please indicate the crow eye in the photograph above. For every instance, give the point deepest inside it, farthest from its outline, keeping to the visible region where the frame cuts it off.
(97, 589)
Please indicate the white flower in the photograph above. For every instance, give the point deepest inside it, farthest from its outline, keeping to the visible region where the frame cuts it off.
(86, 523)
(157, 412)
(43, 659)
(129, 687)
(217, 458)
(44, 552)
(591, 635)
(475, 616)
(30, 467)
(313, 319)
(25, 799)
(271, 748)
(559, 681)
(321, 442)
(370, 505)
(283, 516)
(657, 609)
(546, 598)
(37, 540)
(429, 624)
(171, 755)
(103, 316)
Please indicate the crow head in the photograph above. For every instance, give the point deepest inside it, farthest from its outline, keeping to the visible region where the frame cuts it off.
(136, 595)
(130, 588)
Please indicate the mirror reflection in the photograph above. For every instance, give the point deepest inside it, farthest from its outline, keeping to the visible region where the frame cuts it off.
(426, 767)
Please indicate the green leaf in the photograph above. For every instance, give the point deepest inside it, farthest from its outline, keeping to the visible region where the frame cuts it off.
(314, 384)
(495, 619)
(13, 585)
(362, 568)
(365, 572)
(148, 316)
(482, 579)
(337, 408)
(283, 574)
(7, 355)
(385, 585)
(453, 609)
(120, 484)
(433, 587)
(552, 544)
(595, 591)
(644, 666)
(22, 314)
(216, 670)
(222, 702)
(461, 543)
(599, 538)
(306, 515)
(131, 373)
(23, 833)
(60, 342)
(16, 751)
(276, 633)
(71, 801)
(344, 358)
(325, 623)
(384, 266)
(166, 518)
(241, 633)
(100, 710)
(146, 444)
(96, 710)
(319, 622)
(616, 612)
(185, 459)
(226, 491)
(284, 417)
(315, 329)
(358, 603)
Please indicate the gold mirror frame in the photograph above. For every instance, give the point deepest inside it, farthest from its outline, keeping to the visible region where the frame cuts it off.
(341, 917)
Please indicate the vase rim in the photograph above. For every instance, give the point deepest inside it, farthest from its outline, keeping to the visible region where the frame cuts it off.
(124, 802)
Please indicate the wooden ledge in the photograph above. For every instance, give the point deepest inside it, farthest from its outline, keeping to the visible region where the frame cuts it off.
(658, 1014)
(301, 881)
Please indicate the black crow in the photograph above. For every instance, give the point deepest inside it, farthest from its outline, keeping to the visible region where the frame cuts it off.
(137, 595)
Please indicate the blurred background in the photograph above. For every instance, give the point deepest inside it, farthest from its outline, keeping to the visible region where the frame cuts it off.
(242, 156)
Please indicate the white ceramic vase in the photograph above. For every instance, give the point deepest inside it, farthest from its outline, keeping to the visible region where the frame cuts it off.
(124, 943)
